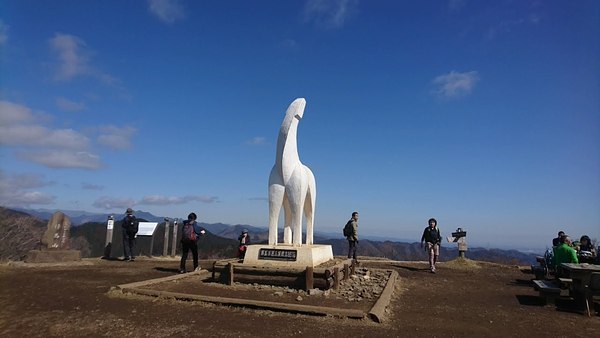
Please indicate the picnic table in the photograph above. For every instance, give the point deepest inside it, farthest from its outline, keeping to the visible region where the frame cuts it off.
(581, 275)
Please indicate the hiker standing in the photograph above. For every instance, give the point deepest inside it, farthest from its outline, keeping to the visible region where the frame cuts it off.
(244, 242)
(190, 233)
(431, 236)
(130, 229)
(351, 233)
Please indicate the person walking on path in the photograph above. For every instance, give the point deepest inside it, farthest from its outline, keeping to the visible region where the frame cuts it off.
(191, 232)
(351, 232)
(129, 226)
(433, 239)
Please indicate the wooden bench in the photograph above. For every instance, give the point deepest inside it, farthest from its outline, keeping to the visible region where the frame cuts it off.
(549, 290)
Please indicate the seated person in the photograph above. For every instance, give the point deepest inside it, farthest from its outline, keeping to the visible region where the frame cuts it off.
(585, 244)
(564, 253)
(586, 252)
(556, 241)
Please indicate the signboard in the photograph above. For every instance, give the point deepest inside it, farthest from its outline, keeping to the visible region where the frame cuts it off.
(146, 228)
(110, 224)
(277, 254)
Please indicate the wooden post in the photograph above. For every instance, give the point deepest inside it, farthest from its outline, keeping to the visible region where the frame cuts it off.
(336, 278)
(346, 271)
(462, 247)
(352, 268)
(310, 282)
(174, 246)
(230, 274)
(151, 245)
(166, 241)
(109, 234)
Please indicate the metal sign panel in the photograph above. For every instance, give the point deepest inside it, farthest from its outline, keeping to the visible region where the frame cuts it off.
(278, 254)
(146, 228)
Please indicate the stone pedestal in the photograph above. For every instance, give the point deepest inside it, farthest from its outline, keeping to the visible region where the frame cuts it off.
(52, 256)
(283, 255)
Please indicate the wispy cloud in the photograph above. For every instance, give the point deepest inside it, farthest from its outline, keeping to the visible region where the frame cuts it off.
(91, 186)
(456, 5)
(330, 13)
(257, 141)
(110, 203)
(116, 137)
(3, 33)
(74, 60)
(68, 105)
(455, 84)
(63, 159)
(16, 190)
(166, 200)
(263, 199)
(167, 11)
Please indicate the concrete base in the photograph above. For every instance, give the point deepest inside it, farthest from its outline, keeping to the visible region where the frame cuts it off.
(52, 256)
(288, 255)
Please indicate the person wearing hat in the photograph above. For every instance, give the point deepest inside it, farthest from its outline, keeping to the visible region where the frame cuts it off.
(244, 242)
(130, 229)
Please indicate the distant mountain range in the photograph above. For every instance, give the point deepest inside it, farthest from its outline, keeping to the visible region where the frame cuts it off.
(18, 229)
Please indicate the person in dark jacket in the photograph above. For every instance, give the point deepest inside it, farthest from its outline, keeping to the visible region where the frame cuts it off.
(129, 227)
(433, 239)
(352, 236)
(244, 239)
(190, 232)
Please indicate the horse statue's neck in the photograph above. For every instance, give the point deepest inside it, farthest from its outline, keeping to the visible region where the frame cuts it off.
(287, 147)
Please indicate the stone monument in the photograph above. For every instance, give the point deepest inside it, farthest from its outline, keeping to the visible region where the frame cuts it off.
(56, 242)
(291, 186)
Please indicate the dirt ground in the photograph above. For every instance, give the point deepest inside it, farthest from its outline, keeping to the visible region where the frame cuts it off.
(462, 300)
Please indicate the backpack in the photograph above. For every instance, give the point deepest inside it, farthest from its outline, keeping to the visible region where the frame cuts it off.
(348, 229)
(189, 233)
(131, 225)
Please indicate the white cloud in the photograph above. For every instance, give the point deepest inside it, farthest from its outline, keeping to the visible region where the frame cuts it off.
(74, 60)
(3, 33)
(72, 54)
(14, 113)
(167, 11)
(116, 137)
(455, 84)
(330, 13)
(109, 203)
(257, 141)
(166, 200)
(68, 105)
(55, 148)
(15, 190)
(63, 159)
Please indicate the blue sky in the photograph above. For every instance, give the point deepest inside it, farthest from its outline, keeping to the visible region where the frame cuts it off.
(482, 114)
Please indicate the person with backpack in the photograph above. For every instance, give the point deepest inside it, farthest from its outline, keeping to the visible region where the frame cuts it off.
(431, 236)
(130, 229)
(351, 234)
(190, 233)
(244, 239)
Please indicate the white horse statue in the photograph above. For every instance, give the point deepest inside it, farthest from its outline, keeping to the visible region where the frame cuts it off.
(291, 183)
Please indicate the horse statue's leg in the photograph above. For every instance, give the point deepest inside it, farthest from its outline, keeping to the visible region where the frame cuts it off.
(287, 224)
(309, 205)
(276, 194)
